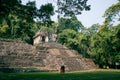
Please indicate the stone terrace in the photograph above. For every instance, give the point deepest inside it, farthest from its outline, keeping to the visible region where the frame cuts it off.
(59, 55)
(19, 54)
(44, 56)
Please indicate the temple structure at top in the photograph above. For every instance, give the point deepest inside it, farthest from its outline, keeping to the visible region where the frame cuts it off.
(44, 36)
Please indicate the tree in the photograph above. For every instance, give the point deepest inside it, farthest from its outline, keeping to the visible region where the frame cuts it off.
(84, 44)
(113, 12)
(115, 41)
(68, 37)
(98, 47)
(45, 12)
(7, 7)
(93, 29)
(17, 20)
(70, 23)
(72, 7)
(74, 40)
(104, 46)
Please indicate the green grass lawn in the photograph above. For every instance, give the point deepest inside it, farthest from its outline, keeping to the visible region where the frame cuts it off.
(82, 75)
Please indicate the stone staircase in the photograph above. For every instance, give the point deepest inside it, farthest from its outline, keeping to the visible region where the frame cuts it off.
(60, 55)
(19, 54)
(44, 56)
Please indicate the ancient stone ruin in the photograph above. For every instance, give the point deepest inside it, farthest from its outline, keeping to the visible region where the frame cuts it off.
(44, 36)
(44, 55)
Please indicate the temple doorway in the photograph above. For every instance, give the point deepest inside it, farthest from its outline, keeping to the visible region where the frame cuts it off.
(43, 38)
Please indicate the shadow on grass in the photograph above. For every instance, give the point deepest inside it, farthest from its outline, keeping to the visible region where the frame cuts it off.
(85, 75)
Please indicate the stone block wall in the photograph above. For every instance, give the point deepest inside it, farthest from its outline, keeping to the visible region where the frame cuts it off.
(15, 53)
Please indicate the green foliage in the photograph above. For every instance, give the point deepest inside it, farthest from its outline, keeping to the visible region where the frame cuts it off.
(93, 29)
(45, 13)
(113, 12)
(9, 6)
(4, 27)
(68, 37)
(71, 23)
(84, 44)
(72, 7)
(17, 20)
(47, 28)
(65, 35)
(72, 44)
(104, 46)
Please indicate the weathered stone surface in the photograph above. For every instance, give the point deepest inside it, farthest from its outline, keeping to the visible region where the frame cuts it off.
(44, 36)
(44, 56)
(19, 54)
